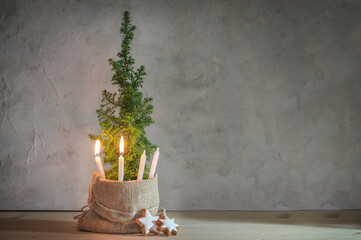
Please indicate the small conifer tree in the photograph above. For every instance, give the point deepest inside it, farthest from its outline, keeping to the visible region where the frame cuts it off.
(126, 112)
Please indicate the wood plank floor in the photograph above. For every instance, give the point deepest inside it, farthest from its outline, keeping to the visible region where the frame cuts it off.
(250, 225)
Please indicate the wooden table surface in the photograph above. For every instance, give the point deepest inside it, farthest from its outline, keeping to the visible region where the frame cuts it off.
(250, 225)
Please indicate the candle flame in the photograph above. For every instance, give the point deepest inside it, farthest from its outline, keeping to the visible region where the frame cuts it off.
(121, 146)
(97, 147)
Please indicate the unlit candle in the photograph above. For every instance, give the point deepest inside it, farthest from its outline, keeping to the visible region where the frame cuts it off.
(154, 163)
(141, 166)
(121, 161)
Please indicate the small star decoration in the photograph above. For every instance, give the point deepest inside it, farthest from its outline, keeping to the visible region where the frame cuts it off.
(167, 226)
(147, 222)
(157, 224)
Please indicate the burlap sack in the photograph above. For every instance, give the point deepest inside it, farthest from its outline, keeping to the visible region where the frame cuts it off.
(114, 205)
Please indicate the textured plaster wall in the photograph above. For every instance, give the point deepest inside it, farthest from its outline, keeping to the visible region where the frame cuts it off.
(257, 103)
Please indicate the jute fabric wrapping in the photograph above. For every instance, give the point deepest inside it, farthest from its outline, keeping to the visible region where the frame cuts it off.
(114, 205)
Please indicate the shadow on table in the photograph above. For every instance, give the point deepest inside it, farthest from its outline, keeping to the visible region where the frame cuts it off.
(328, 220)
(48, 229)
(14, 224)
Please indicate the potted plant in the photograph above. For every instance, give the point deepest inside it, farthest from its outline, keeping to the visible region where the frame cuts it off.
(114, 205)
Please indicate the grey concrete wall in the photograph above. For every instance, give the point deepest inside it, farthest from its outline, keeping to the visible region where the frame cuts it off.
(257, 103)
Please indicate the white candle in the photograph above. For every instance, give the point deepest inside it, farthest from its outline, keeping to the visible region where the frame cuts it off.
(121, 169)
(141, 166)
(154, 164)
(121, 160)
(98, 161)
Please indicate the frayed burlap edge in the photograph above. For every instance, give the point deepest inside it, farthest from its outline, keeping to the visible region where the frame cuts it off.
(114, 205)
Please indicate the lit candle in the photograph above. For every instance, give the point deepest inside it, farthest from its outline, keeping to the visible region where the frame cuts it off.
(121, 160)
(154, 164)
(141, 166)
(98, 161)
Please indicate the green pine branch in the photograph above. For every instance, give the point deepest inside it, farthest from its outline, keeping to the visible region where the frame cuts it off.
(126, 112)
